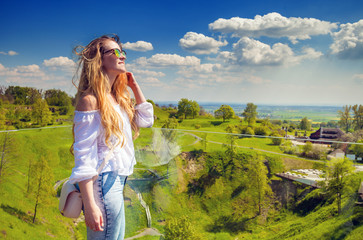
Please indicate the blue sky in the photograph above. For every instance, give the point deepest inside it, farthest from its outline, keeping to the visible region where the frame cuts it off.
(266, 52)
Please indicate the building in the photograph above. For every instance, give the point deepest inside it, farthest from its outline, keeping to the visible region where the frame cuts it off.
(324, 135)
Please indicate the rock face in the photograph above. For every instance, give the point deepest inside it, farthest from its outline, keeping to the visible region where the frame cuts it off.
(289, 192)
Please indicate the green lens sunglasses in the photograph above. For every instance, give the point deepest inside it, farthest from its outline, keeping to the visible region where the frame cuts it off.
(117, 52)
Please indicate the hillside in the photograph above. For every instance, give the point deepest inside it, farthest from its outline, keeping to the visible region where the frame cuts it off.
(202, 182)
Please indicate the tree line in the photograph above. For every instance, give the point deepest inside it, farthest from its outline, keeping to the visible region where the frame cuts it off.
(23, 107)
(351, 117)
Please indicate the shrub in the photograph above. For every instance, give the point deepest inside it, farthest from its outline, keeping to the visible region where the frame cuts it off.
(249, 131)
(197, 126)
(277, 140)
(289, 148)
(180, 228)
(261, 131)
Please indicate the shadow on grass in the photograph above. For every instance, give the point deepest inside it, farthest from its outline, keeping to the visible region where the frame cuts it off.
(216, 123)
(228, 224)
(17, 213)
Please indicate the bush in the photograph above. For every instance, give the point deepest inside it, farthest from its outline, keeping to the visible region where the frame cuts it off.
(249, 131)
(261, 131)
(197, 126)
(317, 152)
(289, 148)
(277, 140)
(180, 228)
(275, 165)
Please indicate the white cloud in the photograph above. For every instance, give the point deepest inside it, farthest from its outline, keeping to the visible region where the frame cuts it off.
(257, 80)
(62, 63)
(358, 77)
(10, 53)
(148, 73)
(168, 60)
(348, 42)
(200, 44)
(22, 71)
(248, 51)
(151, 81)
(140, 46)
(206, 68)
(273, 25)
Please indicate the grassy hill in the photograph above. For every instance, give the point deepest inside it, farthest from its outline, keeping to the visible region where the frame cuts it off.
(213, 193)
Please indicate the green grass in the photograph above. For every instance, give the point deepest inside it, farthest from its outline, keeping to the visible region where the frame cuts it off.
(166, 198)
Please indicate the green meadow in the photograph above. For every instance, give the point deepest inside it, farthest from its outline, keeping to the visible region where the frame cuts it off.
(195, 178)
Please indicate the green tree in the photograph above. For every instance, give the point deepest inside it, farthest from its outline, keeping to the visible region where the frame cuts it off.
(8, 150)
(225, 112)
(194, 108)
(358, 116)
(22, 95)
(305, 124)
(58, 98)
(336, 173)
(307, 148)
(41, 113)
(180, 228)
(41, 183)
(10, 115)
(231, 139)
(357, 149)
(204, 141)
(345, 118)
(184, 107)
(258, 182)
(250, 113)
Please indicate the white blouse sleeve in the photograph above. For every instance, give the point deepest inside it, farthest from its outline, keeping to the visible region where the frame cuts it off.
(86, 130)
(144, 115)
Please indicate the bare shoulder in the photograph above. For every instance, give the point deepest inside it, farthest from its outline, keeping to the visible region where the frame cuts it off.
(87, 102)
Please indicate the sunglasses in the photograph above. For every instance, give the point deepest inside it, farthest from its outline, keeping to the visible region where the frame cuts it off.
(117, 52)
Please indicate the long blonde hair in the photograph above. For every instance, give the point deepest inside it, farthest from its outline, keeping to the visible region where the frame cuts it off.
(93, 80)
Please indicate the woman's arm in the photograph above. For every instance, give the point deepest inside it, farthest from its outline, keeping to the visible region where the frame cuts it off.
(92, 213)
(131, 82)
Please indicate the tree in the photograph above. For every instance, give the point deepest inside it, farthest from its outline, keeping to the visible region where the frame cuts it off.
(22, 95)
(305, 124)
(194, 108)
(58, 98)
(204, 141)
(307, 148)
(225, 112)
(250, 113)
(258, 182)
(231, 138)
(358, 149)
(7, 153)
(336, 173)
(184, 107)
(41, 112)
(358, 116)
(41, 182)
(345, 118)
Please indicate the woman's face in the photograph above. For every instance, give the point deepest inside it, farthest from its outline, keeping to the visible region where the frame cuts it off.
(110, 62)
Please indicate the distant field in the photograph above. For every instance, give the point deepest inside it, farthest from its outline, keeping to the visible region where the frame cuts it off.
(314, 113)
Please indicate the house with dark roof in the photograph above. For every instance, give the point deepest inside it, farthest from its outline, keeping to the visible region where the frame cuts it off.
(324, 135)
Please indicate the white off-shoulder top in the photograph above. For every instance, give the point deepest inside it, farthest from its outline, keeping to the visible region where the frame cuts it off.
(90, 147)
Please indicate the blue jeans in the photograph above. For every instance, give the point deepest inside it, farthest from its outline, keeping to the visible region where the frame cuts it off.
(108, 192)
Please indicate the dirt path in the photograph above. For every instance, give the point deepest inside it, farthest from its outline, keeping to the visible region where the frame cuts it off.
(147, 231)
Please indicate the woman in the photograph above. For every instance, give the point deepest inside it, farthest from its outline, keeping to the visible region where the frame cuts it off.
(103, 120)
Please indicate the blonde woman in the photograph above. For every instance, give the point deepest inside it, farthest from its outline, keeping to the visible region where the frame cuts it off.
(104, 119)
